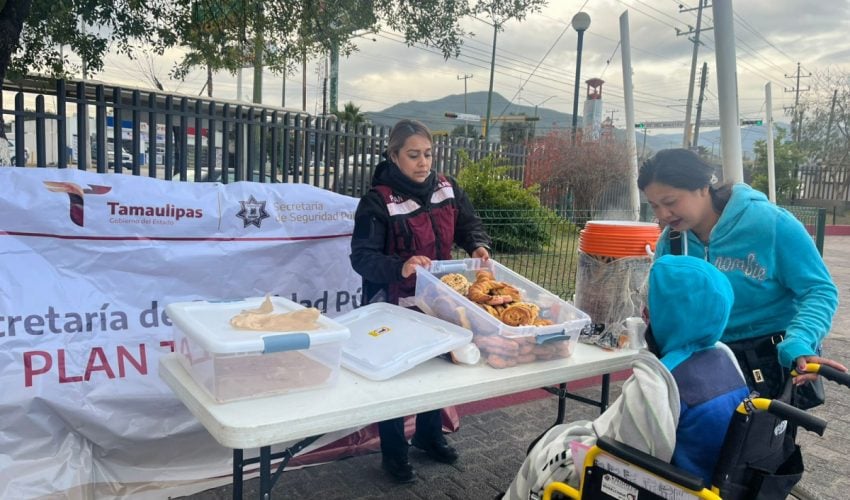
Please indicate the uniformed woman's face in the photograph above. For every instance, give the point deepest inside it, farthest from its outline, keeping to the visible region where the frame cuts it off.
(414, 158)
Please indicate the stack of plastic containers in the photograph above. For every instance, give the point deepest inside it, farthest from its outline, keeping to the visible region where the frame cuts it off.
(614, 261)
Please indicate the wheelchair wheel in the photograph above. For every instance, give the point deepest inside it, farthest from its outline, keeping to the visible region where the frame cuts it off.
(800, 492)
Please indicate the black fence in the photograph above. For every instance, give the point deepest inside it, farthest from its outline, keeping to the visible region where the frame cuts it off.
(197, 139)
(823, 183)
(207, 140)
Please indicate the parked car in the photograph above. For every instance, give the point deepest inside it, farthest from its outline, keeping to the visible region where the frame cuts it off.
(126, 158)
(13, 154)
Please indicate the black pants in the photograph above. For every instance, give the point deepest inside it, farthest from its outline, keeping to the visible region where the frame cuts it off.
(429, 428)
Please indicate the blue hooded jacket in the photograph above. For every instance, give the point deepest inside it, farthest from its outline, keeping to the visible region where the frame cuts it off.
(689, 303)
(781, 283)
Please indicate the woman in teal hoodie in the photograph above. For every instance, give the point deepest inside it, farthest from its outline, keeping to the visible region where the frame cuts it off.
(783, 291)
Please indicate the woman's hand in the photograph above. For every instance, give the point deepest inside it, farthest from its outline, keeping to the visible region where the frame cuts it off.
(801, 367)
(410, 266)
(481, 253)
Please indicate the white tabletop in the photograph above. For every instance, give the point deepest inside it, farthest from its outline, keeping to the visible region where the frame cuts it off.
(356, 401)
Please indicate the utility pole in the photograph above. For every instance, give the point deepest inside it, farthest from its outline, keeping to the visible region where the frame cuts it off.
(490, 91)
(686, 137)
(325, 89)
(628, 99)
(334, 78)
(796, 113)
(465, 77)
(702, 83)
(727, 90)
(771, 163)
(304, 80)
(829, 124)
(259, 45)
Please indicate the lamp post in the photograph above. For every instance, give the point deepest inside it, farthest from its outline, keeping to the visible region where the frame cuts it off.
(580, 23)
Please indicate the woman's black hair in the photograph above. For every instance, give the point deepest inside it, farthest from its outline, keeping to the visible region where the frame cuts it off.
(683, 169)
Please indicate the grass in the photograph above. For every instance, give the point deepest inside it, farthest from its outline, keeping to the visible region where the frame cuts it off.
(554, 268)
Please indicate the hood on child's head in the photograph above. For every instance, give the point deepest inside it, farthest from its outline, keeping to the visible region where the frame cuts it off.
(689, 302)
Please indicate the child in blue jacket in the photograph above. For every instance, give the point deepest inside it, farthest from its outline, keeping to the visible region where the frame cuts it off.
(683, 391)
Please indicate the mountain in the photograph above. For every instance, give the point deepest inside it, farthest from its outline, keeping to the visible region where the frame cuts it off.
(432, 113)
(709, 139)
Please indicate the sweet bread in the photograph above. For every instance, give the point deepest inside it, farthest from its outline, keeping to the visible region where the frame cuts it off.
(456, 282)
(520, 314)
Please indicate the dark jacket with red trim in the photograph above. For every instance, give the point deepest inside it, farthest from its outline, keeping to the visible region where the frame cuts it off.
(396, 220)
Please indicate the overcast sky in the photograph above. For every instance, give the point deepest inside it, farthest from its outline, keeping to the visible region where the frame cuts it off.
(772, 36)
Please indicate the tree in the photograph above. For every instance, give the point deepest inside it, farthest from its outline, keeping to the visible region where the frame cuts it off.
(786, 156)
(465, 131)
(825, 133)
(351, 114)
(582, 171)
(290, 31)
(516, 132)
(34, 30)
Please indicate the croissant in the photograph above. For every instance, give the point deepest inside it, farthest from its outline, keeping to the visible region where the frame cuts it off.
(509, 290)
(484, 275)
(480, 290)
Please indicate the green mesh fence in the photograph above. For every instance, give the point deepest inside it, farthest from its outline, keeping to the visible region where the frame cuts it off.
(542, 245)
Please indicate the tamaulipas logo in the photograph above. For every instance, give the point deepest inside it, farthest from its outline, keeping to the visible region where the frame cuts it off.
(76, 195)
(253, 212)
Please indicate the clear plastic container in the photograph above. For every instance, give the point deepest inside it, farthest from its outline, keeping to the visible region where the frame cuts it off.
(501, 345)
(236, 364)
(387, 340)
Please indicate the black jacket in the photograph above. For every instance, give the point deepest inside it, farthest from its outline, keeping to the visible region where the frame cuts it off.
(372, 228)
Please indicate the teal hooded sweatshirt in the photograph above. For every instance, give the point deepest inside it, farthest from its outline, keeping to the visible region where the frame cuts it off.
(780, 280)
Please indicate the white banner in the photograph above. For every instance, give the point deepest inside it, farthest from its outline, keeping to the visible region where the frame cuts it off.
(87, 264)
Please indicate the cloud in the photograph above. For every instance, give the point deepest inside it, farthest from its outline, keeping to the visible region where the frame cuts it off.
(770, 39)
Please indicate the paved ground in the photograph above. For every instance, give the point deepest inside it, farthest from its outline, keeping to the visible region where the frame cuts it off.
(492, 444)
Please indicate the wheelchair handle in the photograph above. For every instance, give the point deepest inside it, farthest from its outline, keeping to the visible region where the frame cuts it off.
(794, 415)
(826, 372)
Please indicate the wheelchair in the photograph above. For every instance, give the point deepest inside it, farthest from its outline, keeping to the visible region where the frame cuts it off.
(758, 459)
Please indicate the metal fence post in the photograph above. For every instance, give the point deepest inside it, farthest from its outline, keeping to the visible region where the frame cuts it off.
(61, 125)
(820, 230)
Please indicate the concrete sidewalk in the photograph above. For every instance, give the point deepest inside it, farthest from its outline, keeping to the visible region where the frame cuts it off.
(493, 444)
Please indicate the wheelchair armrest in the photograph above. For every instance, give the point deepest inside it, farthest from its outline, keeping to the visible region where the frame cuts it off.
(654, 465)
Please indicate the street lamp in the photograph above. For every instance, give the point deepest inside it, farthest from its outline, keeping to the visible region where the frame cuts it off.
(580, 23)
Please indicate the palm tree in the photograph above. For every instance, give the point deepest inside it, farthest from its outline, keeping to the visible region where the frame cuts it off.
(351, 114)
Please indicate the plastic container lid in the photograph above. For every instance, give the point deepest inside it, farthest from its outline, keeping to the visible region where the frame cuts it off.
(387, 339)
(208, 323)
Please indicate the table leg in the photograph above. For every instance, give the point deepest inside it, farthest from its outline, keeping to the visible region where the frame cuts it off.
(562, 403)
(237, 474)
(606, 386)
(266, 483)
